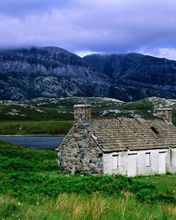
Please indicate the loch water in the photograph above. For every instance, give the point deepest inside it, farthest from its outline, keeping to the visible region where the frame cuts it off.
(35, 142)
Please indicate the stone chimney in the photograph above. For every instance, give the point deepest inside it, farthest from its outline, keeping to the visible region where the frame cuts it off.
(165, 114)
(82, 114)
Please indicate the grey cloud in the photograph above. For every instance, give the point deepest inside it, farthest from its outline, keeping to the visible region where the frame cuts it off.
(80, 25)
(22, 7)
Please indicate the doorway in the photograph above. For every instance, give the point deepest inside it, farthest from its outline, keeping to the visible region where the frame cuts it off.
(132, 165)
(162, 162)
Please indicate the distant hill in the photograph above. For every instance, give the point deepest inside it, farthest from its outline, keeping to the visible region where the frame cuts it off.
(136, 76)
(55, 116)
(62, 108)
(51, 72)
(51, 108)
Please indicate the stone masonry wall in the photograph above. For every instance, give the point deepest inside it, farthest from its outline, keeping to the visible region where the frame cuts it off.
(80, 152)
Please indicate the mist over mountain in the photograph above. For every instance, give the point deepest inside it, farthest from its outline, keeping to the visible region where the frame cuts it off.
(52, 72)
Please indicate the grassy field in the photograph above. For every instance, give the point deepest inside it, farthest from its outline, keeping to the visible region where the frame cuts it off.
(35, 127)
(32, 188)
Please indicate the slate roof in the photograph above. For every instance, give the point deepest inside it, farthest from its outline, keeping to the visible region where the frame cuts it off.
(121, 134)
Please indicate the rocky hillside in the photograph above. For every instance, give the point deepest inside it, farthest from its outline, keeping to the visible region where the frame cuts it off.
(51, 72)
(52, 108)
(62, 108)
(48, 72)
(136, 76)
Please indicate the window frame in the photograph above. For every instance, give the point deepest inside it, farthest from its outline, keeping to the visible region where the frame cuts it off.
(148, 159)
(117, 161)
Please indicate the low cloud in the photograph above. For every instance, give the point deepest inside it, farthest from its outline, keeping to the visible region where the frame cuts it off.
(84, 53)
(169, 53)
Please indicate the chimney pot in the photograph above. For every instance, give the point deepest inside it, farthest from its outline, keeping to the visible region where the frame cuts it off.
(165, 114)
(82, 114)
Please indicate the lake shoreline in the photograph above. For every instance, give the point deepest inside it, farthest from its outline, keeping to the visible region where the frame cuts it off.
(31, 135)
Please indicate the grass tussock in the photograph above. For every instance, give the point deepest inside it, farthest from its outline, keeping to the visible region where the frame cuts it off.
(75, 207)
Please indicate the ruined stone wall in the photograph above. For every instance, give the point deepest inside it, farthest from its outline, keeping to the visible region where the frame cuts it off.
(80, 152)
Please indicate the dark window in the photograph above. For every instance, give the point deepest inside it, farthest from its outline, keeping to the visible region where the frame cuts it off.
(115, 161)
(155, 130)
(171, 156)
(100, 154)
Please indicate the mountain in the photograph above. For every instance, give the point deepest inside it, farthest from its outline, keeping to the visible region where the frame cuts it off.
(136, 76)
(51, 72)
(48, 72)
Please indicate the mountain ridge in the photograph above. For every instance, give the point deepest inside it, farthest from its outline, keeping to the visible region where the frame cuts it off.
(136, 76)
(53, 72)
(48, 72)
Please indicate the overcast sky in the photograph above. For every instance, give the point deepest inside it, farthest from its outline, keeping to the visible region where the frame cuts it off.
(91, 26)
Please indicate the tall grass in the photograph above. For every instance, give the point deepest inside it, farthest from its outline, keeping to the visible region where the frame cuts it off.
(75, 207)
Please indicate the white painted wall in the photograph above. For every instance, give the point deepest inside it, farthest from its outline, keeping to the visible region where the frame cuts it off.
(171, 162)
(144, 162)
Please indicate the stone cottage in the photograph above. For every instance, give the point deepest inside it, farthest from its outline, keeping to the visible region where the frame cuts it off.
(125, 146)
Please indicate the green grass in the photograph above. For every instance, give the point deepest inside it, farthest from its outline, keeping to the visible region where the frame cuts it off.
(61, 110)
(75, 207)
(56, 117)
(51, 122)
(165, 184)
(34, 127)
(19, 112)
(32, 188)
